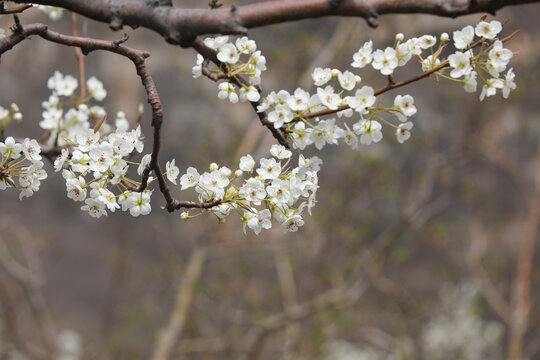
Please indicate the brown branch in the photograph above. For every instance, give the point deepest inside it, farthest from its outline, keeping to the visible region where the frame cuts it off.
(80, 57)
(182, 26)
(15, 10)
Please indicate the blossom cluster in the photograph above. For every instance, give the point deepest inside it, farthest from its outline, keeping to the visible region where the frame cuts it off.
(487, 65)
(240, 58)
(271, 190)
(96, 156)
(21, 166)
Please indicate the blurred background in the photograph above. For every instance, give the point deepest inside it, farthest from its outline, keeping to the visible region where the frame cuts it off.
(412, 251)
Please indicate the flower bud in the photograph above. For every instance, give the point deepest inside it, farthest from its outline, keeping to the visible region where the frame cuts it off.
(444, 37)
(400, 37)
(335, 72)
(214, 167)
(357, 78)
(238, 173)
(17, 117)
(15, 108)
(184, 215)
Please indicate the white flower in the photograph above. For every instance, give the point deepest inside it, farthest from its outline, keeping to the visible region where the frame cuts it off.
(246, 46)
(430, 63)
(190, 178)
(299, 100)
(414, 46)
(262, 220)
(403, 54)
(321, 76)
(350, 138)
(9, 148)
(461, 63)
(427, 41)
(490, 88)
(270, 169)
(488, 30)
(363, 56)
(280, 151)
(362, 99)
(96, 88)
(227, 90)
(369, 131)
(462, 38)
(499, 56)
(247, 163)
(385, 61)
(140, 203)
(94, 207)
(347, 80)
(61, 160)
(280, 115)
(31, 150)
(228, 54)
(172, 171)
(196, 71)
(249, 94)
(253, 191)
(216, 43)
(403, 131)
(470, 82)
(292, 223)
(62, 85)
(328, 97)
(405, 105)
(509, 83)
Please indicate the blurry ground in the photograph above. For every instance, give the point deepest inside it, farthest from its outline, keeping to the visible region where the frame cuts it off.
(399, 219)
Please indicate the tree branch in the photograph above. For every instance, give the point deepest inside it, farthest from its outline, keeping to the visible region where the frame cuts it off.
(182, 26)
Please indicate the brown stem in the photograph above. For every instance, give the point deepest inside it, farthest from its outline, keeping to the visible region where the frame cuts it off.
(80, 57)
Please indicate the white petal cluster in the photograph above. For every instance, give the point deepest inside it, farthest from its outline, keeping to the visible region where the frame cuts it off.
(269, 193)
(487, 65)
(239, 58)
(21, 167)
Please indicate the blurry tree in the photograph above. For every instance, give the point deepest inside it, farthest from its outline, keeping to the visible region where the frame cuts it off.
(82, 141)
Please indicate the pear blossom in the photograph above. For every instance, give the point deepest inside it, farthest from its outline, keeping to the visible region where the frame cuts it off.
(269, 169)
(328, 97)
(470, 83)
(488, 30)
(490, 88)
(172, 171)
(247, 163)
(362, 99)
(403, 132)
(96, 89)
(321, 76)
(190, 178)
(228, 54)
(196, 71)
(405, 105)
(461, 62)
(464, 37)
(509, 83)
(363, 56)
(369, 131)
(385, 61)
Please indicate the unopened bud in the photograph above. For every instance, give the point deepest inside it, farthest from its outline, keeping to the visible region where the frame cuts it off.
(400, 37)
(444, 37)
(357, 78)
(238, 173)
(17, 117)
(15, 108)
(141, 109)
(184, 215)
(335, 72)
(214, 167)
